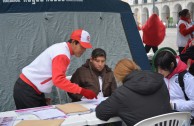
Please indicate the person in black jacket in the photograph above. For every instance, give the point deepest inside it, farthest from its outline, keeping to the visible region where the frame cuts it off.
(143, 94)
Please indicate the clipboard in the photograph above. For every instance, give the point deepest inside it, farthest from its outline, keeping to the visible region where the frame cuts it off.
(55, 122)
(73, 108)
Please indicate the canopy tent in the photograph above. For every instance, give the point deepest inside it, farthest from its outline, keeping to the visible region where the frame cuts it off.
(27, 27)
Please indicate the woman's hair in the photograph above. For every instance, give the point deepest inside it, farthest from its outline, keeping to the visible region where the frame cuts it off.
(123, 68)
(98, 52)
(183, 13)
(164, 60)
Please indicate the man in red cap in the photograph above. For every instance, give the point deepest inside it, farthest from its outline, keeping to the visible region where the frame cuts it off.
(49, 69)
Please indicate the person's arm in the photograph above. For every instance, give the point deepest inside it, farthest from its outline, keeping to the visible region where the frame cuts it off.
(184, 31)
(114, 84)
(59, 67)
(183, 105)
(75, 79)
(108, 108)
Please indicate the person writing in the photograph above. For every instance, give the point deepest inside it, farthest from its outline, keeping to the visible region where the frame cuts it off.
(94, 75)
(170, 66)
(142, 95)
(49, 69)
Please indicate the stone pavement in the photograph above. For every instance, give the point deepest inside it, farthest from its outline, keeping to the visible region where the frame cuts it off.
(169, 40)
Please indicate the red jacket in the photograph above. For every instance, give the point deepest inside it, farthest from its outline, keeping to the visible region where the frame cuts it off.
(154, 31)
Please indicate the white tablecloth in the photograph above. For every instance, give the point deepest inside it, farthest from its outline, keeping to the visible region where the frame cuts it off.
(74, 120)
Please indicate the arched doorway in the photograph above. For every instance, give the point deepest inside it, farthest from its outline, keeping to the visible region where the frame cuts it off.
(165, 14)
(145, 15)
(190, 6)
(175, 16)
(156, 11)
(137, 15)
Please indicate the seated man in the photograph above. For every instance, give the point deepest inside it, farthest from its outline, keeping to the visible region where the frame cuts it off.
(94, 75)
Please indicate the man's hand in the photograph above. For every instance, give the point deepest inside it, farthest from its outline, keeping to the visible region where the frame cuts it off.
(89, 94)
(48, 101)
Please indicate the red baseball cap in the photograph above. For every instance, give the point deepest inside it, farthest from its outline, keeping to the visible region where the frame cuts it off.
(82, 36)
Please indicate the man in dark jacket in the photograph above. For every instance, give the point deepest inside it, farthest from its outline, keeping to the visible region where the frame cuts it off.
(143, 94)
(94, 75)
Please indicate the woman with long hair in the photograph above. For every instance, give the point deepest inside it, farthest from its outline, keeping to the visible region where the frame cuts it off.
(143, 94)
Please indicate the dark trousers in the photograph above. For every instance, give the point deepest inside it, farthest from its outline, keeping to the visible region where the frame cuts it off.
(26, 97)
(181, 49)
(154, 48)
(192, 121)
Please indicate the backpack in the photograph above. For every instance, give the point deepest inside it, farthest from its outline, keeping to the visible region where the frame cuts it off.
(181, 82)
(180, 79)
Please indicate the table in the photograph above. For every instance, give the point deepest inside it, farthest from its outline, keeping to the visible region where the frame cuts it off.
(93, 120)
(91, 117)
(74, 120)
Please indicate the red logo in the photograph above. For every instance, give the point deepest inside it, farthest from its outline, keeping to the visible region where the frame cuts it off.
(88, 38)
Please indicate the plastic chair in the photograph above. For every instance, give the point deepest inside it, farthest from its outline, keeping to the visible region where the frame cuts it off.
(170, 119)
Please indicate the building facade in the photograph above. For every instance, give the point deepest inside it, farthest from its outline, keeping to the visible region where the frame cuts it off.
(166, 9)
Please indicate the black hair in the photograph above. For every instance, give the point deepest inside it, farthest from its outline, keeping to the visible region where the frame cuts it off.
(183, 13)
(71, 40)
(164, 59)
(191, 69)
(98, 52)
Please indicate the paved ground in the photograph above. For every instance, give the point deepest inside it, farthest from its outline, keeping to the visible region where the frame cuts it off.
(170, 39)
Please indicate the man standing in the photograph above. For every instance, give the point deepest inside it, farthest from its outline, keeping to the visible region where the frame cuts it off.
(94, 75)
(49, 69)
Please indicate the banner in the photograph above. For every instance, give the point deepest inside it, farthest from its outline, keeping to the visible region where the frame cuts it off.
(25, 6)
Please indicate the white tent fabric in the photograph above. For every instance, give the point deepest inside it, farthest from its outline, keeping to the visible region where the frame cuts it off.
(23, 36)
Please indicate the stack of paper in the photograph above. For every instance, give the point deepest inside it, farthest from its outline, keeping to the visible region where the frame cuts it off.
(7, 121)
(49, 114)
(73, 108)
(31, 110)
(94, 101)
